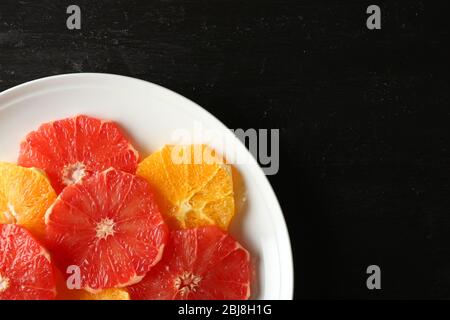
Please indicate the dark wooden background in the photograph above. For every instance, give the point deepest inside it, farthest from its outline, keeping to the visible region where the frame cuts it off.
(364, 115)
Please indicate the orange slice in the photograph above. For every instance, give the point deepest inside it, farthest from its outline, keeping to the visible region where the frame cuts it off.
(107, 294)
(194, 185)
(25, 196)
(63, 293)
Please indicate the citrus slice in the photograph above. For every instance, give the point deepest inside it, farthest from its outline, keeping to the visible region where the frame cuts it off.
(26, 272)
(193, 184)
(107, 294)
(109, 226)
(70, 149)
(25, 196)
(64, 293)
(198, 264)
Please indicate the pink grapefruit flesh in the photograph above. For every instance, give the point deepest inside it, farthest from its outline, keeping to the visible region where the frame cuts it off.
(26, 272)
(198, 264)
(110, 227)
(71, 149)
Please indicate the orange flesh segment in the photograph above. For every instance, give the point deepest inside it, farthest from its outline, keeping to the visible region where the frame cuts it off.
(196, 192)
(25, 196)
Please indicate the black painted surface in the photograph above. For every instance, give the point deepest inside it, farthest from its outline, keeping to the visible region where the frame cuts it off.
(364, 115)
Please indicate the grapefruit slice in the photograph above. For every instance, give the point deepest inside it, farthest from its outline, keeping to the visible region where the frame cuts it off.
(109, 226)
(198, 264)
(70, 149)
(193, 184)
(26, 272)
(25, 196)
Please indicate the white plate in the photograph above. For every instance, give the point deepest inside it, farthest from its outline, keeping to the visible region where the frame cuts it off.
(150, 114)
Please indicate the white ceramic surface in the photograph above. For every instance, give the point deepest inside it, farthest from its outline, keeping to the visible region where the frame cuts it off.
(150, 114)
